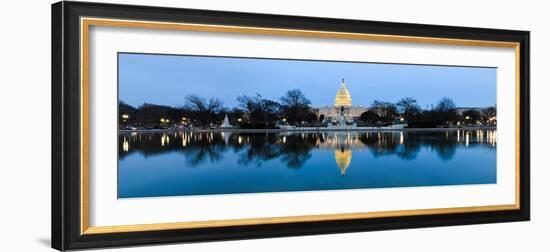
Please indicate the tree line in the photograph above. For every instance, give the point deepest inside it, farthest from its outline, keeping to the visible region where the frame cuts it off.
(293, 108)
(252, 112)
(445, 113)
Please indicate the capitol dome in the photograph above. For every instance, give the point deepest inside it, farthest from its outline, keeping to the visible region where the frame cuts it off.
(343, 97)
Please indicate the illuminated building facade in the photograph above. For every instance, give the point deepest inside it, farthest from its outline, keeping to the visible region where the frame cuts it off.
(342, 106)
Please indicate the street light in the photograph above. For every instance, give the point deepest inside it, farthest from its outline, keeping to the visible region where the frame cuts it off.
(125, 116)
(239, 120)
(162, 120)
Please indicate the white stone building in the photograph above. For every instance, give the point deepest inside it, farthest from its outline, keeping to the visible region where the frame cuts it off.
(342, 104)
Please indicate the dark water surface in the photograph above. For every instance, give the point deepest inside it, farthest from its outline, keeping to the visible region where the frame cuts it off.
(192, 163)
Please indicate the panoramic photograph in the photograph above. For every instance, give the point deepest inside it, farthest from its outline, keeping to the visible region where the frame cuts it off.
(203, 125)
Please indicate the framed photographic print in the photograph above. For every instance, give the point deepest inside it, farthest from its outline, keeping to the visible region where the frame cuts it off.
(180, 125)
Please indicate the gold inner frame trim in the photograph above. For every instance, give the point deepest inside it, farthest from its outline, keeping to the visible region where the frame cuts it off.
(288, 219)
(86, 23)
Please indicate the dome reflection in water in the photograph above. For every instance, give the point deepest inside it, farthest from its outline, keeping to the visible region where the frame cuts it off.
(198, 163)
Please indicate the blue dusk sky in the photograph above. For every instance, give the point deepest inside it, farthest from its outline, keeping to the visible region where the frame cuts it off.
(167, 79)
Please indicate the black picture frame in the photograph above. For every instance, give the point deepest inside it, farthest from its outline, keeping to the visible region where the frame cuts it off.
(66, 125)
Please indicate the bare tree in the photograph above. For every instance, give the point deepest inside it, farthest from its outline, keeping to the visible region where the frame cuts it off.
(408, 108)
(295, 106)
(204, 110)
(446, 111)
(386, 110)
(258, 109)
(249, 103)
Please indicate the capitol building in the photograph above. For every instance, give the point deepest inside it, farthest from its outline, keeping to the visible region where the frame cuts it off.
(342, 108)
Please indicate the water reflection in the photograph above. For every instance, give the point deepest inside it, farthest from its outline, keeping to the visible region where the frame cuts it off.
(195, 163)
(294, 148)
(343, 159)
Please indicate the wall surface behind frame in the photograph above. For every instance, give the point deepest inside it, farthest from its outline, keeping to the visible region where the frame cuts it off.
(25, 125)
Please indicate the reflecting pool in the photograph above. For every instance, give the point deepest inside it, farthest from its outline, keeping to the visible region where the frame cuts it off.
(197, 163)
